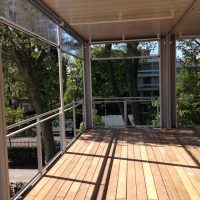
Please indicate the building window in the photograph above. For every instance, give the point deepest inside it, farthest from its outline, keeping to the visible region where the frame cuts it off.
(147, 80)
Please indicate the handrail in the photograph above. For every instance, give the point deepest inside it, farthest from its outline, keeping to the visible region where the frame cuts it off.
(36, 117)
(36, 122)
(31, 119)
(123, 98)
(124, 101)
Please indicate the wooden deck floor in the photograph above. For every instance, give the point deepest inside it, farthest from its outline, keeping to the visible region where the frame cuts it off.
(136, 163)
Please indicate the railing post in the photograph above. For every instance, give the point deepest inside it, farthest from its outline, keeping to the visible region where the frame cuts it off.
(158, 118)
(4, 177)
(125, 113)
(83, 113)
(62, 113)
(94, 114)
(74, 118)
(39, 145)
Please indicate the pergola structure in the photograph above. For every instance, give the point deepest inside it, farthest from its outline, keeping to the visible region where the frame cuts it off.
(72, 26)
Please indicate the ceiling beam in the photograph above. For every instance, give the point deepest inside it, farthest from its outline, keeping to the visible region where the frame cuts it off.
(171, 16)
(93, 42)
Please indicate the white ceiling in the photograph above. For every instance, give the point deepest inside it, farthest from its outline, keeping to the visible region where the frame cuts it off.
(127, 19)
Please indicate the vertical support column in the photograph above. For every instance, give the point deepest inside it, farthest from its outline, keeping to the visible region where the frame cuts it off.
(87, 86)
(74, 118)
(83, 112)
(39, 145)
(173, 82)
(125, 113)
(4, 178)
(62, 113)
(168, 82)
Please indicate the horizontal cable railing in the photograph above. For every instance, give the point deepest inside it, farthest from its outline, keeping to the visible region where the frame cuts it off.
(17, 132)
(120, 111)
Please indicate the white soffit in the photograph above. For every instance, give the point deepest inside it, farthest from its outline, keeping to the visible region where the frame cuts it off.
(126, 19)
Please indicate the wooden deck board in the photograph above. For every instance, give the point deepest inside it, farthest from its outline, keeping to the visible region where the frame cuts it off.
(113, 164)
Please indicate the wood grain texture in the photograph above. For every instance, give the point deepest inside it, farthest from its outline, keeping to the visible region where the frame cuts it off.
(113, 164)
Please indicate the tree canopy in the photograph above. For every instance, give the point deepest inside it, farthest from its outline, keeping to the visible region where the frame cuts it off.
(188, 83)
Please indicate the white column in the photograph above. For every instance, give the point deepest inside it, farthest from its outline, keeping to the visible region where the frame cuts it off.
(87, 86)
(4, 177)
(62, 113)
(168, 82)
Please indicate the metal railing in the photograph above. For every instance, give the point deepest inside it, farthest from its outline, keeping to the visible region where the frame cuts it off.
(36, 122)
(126, 113)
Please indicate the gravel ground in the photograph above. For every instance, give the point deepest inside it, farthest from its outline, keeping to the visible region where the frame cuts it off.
(22, 175)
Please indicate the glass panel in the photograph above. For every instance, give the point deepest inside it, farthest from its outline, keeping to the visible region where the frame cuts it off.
(113, 78)
(73, 78)
(31, 87)
(22, 159)
(140, 111)
(79, 119)
(148, 109)
(29, 17)
(51, 136)
(107, 114)
(188, 82)
(122, 50)
(71, 45)
(126, 79)
(69, 129)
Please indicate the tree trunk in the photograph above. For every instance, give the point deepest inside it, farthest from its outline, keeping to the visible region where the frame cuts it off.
(48, 140)
(31, 75)
(132, 67)
(115, 89)
(21, 50)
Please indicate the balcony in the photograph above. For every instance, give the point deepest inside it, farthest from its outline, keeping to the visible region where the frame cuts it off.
(130, 162)
(135, 163)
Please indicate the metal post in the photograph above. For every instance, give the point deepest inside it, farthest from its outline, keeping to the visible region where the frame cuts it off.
(158, 117)
(94, 114)
(83, 113)
(125, 113)
(87, 86)
(39, 146)
(74, 118)
(173, 82)
(168, 82)
(4, 177)
(62, 113)
(164, 83)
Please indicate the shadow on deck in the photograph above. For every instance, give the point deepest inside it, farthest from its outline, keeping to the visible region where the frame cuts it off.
(137, 163)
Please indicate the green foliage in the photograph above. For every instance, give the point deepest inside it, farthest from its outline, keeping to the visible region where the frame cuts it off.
(153, 109)
(101, 83)
(74, 79)
(188, 110)
(98, 120)
(82, 127)
(30, 69)
(188, 83)
(14, 115)
(14, 83)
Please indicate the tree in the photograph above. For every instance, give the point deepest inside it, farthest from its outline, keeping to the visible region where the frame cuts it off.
(73, 79)
(37, 63)
(118, 78)
(188, 83)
